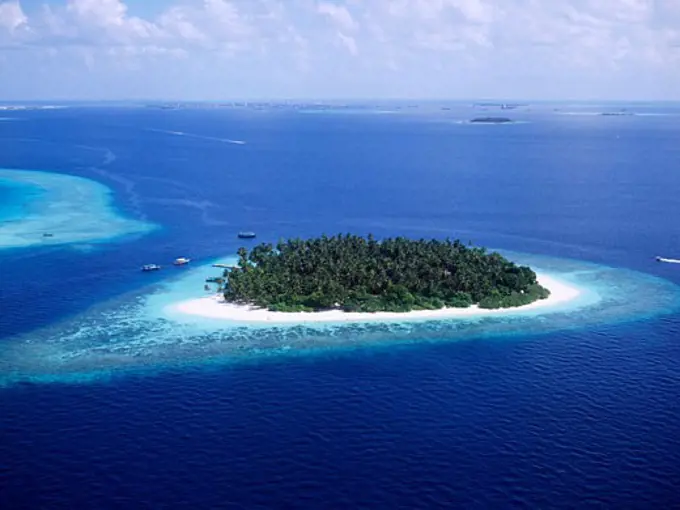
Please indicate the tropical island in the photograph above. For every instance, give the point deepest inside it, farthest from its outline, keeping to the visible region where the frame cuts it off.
(356, 274)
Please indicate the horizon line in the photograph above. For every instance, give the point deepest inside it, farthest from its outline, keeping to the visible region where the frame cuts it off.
(499, 100)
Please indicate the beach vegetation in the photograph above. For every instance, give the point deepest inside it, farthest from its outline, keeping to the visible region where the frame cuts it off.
(362, 274)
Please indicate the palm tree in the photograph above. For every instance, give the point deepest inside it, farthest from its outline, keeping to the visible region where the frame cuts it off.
(358, 273)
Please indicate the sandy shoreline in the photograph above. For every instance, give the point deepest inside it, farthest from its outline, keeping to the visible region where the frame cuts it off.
(214, 307)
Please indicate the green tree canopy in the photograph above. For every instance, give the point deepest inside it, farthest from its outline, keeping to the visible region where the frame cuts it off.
(354, 273)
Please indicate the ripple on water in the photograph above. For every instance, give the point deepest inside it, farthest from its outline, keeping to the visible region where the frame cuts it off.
(135, 331)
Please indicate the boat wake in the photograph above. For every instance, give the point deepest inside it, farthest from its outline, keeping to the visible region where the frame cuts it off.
(200, 137)
(668, 261)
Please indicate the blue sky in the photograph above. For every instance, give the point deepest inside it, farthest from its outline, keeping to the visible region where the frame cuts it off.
(222, 49)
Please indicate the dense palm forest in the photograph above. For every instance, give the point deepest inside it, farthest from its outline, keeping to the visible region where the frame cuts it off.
(359, 274)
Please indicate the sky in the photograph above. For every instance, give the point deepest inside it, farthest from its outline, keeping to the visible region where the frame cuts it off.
(345, 49)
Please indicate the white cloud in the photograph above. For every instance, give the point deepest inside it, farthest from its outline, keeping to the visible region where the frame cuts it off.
(348, 42)
(474, 11)
(344, 25)
(177, 22)
(102, 12)
(215, 25)
(339, 15)
(493, 44)
(12, 16)
(107, 21)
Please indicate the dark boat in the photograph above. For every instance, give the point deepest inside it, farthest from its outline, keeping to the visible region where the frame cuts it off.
(150, 267)
(246, 235)
(491, 120)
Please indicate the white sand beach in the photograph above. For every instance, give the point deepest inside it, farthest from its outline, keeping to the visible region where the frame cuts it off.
(214, 307)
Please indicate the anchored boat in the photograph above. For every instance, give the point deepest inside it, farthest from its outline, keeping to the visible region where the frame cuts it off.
(181, 261)
(150, 267)
(246, 235)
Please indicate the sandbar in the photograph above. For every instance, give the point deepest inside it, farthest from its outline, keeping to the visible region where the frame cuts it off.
(214, 307)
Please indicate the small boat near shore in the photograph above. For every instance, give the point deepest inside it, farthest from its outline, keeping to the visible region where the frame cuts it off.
(246, 235)
(150, 267)
(181, 261)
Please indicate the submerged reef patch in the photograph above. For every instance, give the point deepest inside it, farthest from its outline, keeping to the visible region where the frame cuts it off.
(44, 208)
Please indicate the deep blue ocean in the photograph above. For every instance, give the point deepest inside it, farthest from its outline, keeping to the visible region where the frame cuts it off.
(587, 417)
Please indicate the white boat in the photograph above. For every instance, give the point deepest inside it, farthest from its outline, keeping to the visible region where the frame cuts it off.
(180, 261)
(668, 261)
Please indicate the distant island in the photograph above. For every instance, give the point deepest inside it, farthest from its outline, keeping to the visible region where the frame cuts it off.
(357, 274)
(502, 106)
(491, 120)
(20, 107)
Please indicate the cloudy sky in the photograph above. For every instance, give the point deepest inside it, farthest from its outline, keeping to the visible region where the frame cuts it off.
(222, 49)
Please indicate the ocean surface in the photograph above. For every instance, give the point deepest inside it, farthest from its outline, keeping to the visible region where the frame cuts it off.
(105, 402)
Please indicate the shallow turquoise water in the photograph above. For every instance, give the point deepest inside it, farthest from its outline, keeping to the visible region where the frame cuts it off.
(138, 331)
(72, 209)
(15, 198)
